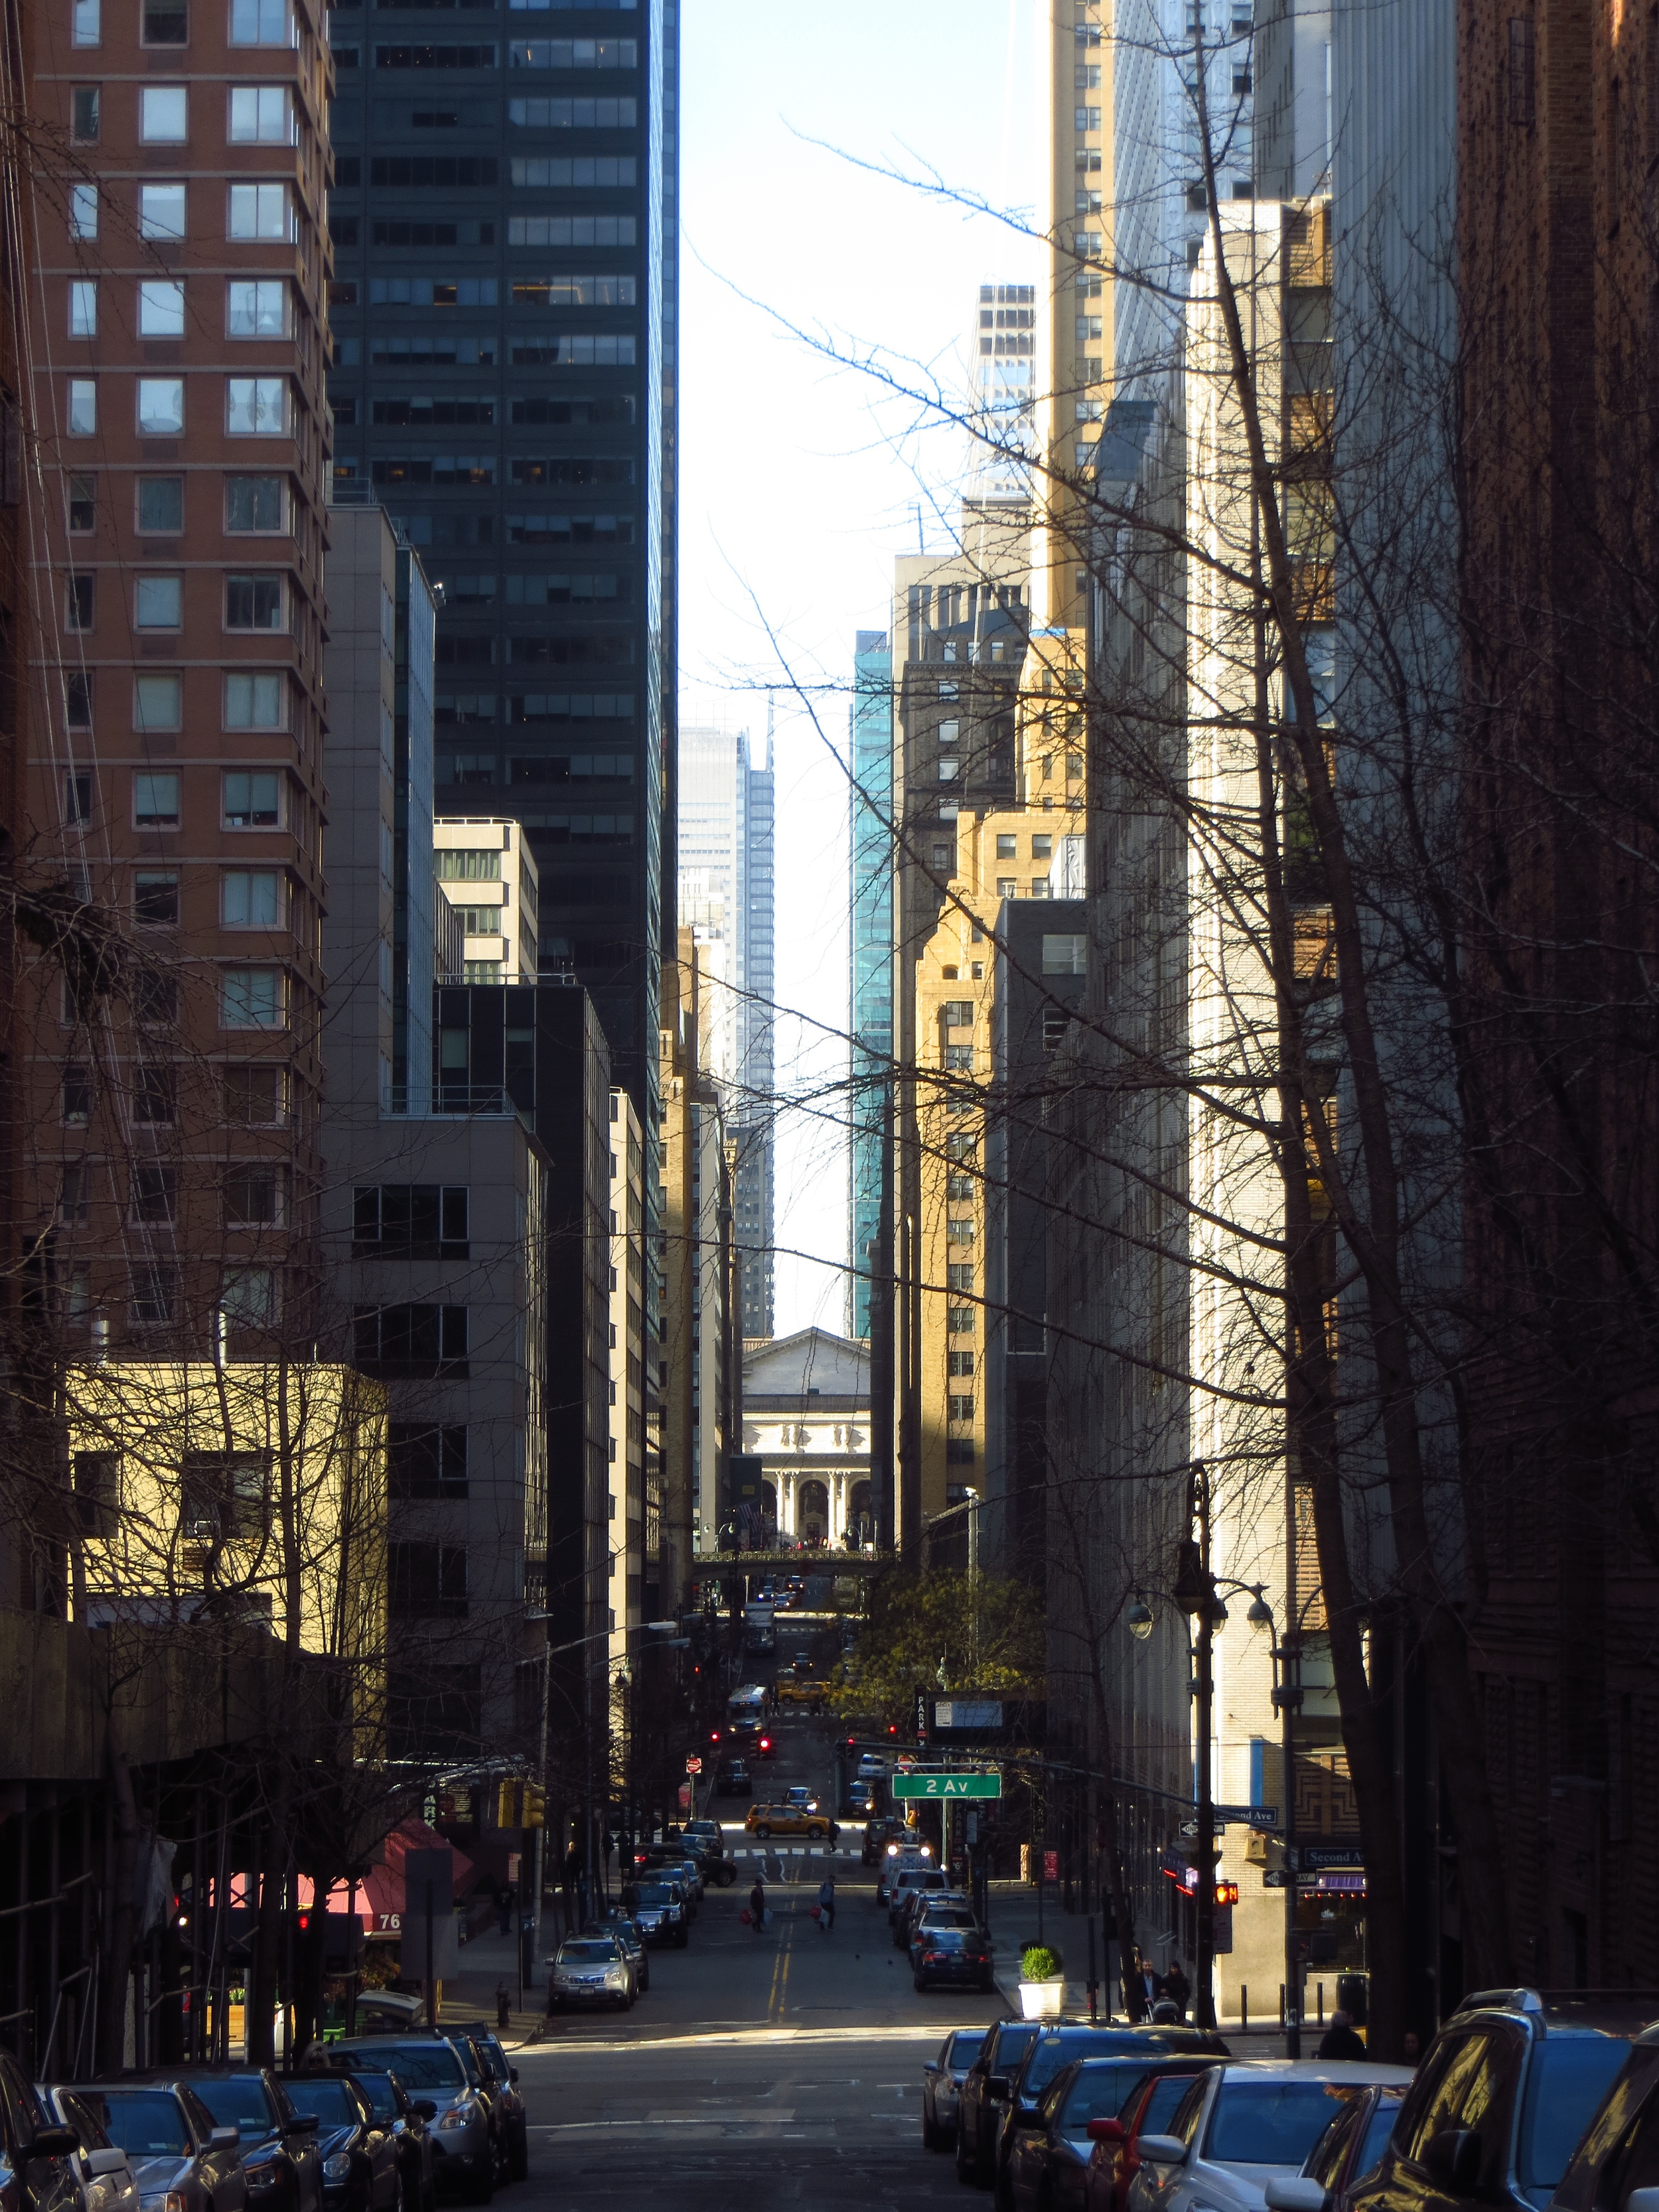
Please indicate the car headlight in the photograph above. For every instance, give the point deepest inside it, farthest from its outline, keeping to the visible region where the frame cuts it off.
(258, 2177)
(338, 2168)
(463, 2110)
(170, 2202)
(615, 1976)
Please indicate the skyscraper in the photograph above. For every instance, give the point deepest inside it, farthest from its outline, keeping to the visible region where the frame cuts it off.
(504, 225)
(871, 937)
(725, 831)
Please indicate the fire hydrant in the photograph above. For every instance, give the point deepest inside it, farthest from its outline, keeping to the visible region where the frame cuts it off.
(503, 2007)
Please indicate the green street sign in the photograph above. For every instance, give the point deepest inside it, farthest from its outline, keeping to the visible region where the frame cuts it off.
(947, 1785)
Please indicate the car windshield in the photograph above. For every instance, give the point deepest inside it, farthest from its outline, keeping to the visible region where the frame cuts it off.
(145, 2123)
(1570, 2076)
(963, 2047)
(947, 1917)
(1059, 2048)
(945, 1939)
(237, 2102)
(1099, 2092)
(378, 2095)
(656, 1893)
(1270, 2123)
(1167, 2092)
(417, 2065)
(587, 1952)
(320, 2099)
(80, 2117)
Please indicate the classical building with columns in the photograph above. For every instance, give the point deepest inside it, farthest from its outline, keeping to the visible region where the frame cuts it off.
(806, 1414)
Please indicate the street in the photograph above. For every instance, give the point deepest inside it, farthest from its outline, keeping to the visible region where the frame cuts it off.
(787, 2063)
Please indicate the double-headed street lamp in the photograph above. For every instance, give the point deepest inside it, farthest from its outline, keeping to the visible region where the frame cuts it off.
(1198, 1595)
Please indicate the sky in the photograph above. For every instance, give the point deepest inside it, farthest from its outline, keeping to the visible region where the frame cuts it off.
(801, 478)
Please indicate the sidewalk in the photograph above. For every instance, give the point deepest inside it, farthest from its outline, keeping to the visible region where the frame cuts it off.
(487, 1961)
(1012, 1910)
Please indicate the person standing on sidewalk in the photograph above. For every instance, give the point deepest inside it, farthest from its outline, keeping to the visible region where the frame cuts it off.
(827, 1904)
(757, 1904)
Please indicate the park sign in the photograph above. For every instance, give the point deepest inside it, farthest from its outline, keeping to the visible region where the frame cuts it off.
(946, 1785)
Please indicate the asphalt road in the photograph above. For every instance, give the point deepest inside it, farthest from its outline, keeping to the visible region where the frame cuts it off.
(783, 2069)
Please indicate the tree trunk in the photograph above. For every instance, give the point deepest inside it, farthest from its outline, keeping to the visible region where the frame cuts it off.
(115, 1965)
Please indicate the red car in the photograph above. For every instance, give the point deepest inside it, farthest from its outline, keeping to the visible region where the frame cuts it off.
(1115, 2161)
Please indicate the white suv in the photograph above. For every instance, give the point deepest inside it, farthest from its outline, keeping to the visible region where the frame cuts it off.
(1243, 2124)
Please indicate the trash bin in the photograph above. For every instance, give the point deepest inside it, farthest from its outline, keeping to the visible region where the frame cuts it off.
(1353, 1996)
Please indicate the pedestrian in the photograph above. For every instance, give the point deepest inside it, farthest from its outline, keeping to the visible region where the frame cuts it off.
(1411, 2049)
(1144, 1986)
(1177, 1989)
(757, 1904)
(1340, 2039)
(827, 1903)
(505, 1904)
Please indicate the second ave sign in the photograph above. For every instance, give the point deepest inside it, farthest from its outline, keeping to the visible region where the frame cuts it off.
(946, 1785)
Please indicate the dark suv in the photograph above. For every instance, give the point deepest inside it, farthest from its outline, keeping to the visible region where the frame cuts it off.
(979, 2115)
(36, 2172)
(1618, 2152)
(1503, 2094)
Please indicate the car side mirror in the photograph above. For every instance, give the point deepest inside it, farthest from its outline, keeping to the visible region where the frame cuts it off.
(511, 2073)
(224, 2138)
(996, 2087)
(106, 2161)
(425, 2107)
(302, 2123)
(1107, 2131)
(1295, 2192)
(1453, 2157)
(1162, 2150)
(54, 2143)
(1642, 2200)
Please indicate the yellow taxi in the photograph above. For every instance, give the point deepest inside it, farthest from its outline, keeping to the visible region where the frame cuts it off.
(765, 1820)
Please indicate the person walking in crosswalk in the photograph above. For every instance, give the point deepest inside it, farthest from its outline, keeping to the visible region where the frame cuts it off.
(827, 1904)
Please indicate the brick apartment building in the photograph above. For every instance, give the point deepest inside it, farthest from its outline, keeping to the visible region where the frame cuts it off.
(173, 804)
(1558, 136)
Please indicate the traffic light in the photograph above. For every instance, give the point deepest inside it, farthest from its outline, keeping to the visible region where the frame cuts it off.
(507, 1801)
(535, 1808)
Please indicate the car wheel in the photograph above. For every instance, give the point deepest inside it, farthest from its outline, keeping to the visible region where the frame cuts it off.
(965, 2172)
(520, 2156)
(918, 1984)
(483, 2189)
(727, 1876)
(764, 1833)
(682, 1937)
(929, 2134)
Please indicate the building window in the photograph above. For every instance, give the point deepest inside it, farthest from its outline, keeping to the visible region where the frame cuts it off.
(252, 799)
(80, 600)
(163, 115)
(1007, 887)
(77, 797)
(155, 998)
(84, 307)
(257, 309)
(161, 406)
(248, 1297)
(165, 23)
(401, 1218)
(957, 1013)
(960, 1363)
(256, 701)
(83, 211)
(157, 704)
(156, 898)
(1065, 955)
(960, 1409)
(250, 898)
(95, 1478)
(86, 16)
(428, 1582)
(959, 1452)
(427, 1459)
(413, 1341)
(74, 1095)
(959, 1230)
(155, 800)
(261, 115)
(155, 1093)
(254, 503)
(254, 1098)
(261, 23)
(160, 505)
(253, 603)
(959, 1275)
(256, 406)
(225, 1494)
(959, 1320)
(158, 602)
(81, 417)
(154, 1292)
(82, 499)
(153, 1194)
(1522, 72)
(254, 999)
(260, 211)
(959, 1057)
(255, 1195)
(161, 211)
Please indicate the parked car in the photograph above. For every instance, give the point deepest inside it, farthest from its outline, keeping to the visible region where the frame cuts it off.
(1615, 2167)
(1115, 2160)
(732, 1778)
(280, 2157)
(501, 2080)
(1048, 2152)
(1057, 2046)
(182, 2158)
(1350, 2149)
(99, 2166)
(772, 1820)
(628, 1934)
(957, 1956)
(877, 1834)
(445, 2070)
(978, 2114)
(355, 2143)
(902, 1855)
(941, 2085)
(941, 1903)
(660, 1911)
(1503, 2096)
(591, 1970)
(408, 2117)
(1240, 2124)
(862, 1802)
(921, 1880)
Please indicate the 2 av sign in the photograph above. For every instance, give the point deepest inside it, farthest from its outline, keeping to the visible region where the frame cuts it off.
(947, 1785)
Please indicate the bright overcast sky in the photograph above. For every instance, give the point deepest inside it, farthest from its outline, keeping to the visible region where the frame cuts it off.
(799, 481)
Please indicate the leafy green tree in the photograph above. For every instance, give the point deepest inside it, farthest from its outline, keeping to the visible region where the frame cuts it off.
(943, 1632)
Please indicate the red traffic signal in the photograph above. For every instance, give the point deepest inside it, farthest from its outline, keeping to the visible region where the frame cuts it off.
(766, 1743)
(1226, 1893)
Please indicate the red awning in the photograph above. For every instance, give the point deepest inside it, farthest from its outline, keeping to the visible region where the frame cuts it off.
(380, 1891)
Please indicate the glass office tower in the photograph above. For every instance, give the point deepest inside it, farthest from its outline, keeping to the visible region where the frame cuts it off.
(503, 304)
(871, 950)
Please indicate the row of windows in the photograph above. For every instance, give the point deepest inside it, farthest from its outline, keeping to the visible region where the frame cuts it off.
(573, 114)
(253, 1194)
(166, 23)
(255, 115)
(250, 1096)
(251, 699)
(259, 212)
(575, 290)
(249, 1298)
(255, 307)
(249, 998)
(521, 53)
(255, 407)
(578, 472)
(253, 504)
(250, 603)
(452, 172)
(400, 1217)
(567, 350)
(536, 591)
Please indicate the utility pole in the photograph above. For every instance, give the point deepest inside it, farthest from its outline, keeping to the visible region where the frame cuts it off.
(1195, 1595)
